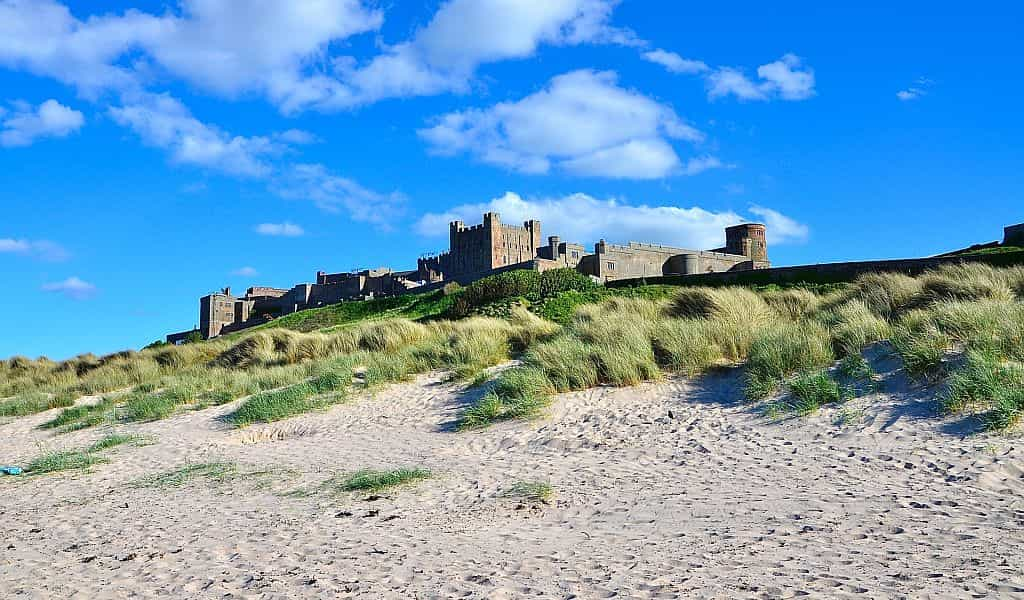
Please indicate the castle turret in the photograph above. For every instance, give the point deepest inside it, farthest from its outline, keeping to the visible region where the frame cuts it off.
(554, 242)
(747, 240)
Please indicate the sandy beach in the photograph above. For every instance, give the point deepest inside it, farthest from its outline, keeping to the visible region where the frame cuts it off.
(670, 489)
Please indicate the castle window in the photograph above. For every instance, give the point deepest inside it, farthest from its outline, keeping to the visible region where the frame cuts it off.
(611, 266)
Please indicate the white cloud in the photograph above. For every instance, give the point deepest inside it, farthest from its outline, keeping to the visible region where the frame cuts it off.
(333, 193)
(164, 122)
(271, 47)
(72, 287)
(283, 50)
(27, 124)
(781, 229)
(916, 91)
(582, 123)
(280, 229)
(245, 272)
(463, 34)
(584, 219)
(675, 63)
(786, 78)
(40, 249)
(298, 137)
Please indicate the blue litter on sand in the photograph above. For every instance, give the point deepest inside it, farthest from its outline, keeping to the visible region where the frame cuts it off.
(10, 470)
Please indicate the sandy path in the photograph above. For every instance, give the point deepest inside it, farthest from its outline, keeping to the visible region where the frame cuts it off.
(670, 489)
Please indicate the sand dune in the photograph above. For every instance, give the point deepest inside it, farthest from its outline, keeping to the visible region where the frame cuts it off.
(670, 489)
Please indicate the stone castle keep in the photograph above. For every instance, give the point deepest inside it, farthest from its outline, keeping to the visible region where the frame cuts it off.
(478, 251)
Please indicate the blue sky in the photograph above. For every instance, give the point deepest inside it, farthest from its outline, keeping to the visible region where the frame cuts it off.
(151, 152)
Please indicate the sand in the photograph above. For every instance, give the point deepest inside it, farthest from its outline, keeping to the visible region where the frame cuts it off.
(666, 490)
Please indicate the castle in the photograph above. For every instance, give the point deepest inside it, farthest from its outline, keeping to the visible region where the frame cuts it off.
(475, 252)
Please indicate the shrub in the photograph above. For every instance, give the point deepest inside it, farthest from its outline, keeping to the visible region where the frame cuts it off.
(556, 281)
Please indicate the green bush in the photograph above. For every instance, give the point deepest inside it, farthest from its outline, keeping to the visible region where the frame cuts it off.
(528, 284)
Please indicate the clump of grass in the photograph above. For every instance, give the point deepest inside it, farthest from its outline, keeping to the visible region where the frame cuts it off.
(854, 326)
(966, 281)
(855, 367)
(808, 392)
(374, 481)
(532, 491)
(887, 294)
(116, 439)
(793, 304)
(724, 304)
(685, 345)
(518, 393)
(30, 403)
(922, 349)
(63, 460)
(566, 362)
(325, 389)
(782, 350)
(79, 417)
(848, 415)
(991, 385)
(214, 471)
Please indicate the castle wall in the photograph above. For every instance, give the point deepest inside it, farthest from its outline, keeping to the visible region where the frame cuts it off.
(1013, 235)
(611, 262)
(828, 272)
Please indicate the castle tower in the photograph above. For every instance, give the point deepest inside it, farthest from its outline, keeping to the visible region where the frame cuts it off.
(747, 240)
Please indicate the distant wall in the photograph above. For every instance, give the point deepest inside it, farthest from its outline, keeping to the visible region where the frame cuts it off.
(1013, 235)
(824, 273)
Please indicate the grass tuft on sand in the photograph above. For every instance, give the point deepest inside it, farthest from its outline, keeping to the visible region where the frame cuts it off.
(372, 480)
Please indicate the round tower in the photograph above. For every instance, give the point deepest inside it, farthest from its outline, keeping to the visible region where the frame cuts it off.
(747, 239)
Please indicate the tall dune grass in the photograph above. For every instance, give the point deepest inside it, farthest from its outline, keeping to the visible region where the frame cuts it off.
(778, 335)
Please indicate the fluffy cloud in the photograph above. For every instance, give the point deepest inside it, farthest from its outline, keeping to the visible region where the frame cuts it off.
(245, 272)
(781, 229)
(582, 123)
(72, 287)
(280, 229)
(164, 122)
(675, 63)
(464, 34)
(785, 78)
(282, 50)
(40, 249)
(582, 218)
(27, 124)
(333, 193)
(271, 47)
